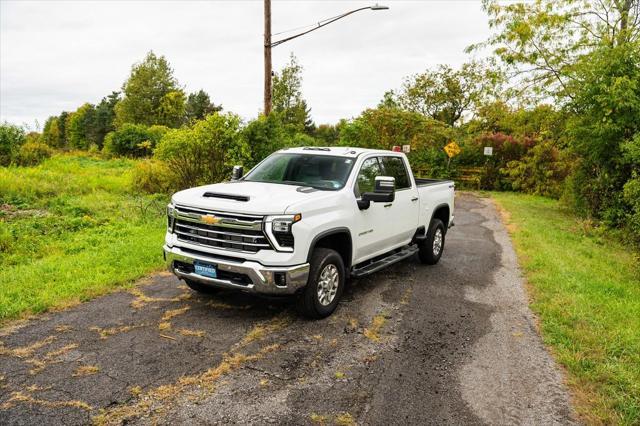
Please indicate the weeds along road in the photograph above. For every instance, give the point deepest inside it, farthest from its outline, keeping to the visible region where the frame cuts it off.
(453, 343)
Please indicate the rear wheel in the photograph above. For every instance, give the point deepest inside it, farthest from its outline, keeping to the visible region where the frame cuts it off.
(432, 247)
(324, 286)
(201, 288)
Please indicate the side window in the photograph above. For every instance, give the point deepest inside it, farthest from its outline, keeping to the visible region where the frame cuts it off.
(367, 176)
(394, 167)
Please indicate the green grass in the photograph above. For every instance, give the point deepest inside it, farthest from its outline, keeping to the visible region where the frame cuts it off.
(585, 288)
(71, 229)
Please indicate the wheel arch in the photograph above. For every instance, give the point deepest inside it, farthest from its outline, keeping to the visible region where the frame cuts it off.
(338, 239)
(442, 212)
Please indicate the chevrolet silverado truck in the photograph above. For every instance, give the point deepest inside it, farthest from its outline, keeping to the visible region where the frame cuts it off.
(303, 221)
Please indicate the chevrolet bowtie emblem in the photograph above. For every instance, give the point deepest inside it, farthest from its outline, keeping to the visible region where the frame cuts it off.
(210, 219)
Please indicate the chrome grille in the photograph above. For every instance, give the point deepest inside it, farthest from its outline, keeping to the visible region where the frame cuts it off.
(225, 231)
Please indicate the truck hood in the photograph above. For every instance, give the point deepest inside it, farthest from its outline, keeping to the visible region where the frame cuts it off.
(257, 198)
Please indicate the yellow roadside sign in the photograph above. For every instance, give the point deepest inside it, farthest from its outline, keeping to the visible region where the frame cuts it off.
(452, 149)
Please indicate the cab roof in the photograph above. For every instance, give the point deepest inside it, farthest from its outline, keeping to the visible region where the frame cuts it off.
(334, 150)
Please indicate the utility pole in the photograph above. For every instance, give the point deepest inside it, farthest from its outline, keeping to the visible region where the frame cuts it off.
(267, 57)
(268, 44)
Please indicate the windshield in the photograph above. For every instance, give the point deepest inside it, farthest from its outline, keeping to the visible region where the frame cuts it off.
(317, 171)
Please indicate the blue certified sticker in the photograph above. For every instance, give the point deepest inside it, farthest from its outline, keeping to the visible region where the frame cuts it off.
(205, 269)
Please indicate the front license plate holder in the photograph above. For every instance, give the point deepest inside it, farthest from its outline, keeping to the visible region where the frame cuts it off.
(205, 269)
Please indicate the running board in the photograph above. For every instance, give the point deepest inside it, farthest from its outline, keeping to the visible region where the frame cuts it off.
(370, 268)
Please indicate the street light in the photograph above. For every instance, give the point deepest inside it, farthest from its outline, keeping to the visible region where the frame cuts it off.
(268, 44)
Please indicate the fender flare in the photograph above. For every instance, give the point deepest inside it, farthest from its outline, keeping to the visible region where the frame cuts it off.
(327, 233)
(438, 207)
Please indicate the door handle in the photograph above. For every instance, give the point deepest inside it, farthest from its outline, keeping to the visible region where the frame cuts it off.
(388, 205)
(414, 199)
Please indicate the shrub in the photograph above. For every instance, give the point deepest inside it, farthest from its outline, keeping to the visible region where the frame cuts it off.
(205, 153)
(631, 189)
(33, 153)
(541, 171)
(11, 139)
(506, 148)
(632, 197)
(133, 140)
(607, 107)
(153, 177)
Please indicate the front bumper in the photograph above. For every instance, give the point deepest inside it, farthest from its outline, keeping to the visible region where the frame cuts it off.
(241, 275)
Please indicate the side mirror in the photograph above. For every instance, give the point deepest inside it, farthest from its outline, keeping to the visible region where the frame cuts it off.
(384, 192)
(237, 173)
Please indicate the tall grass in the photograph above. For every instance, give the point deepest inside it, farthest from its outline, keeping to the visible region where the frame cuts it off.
(71, 228)
(586, 290)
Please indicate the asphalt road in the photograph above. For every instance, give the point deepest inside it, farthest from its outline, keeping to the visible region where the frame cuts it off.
(453, 343)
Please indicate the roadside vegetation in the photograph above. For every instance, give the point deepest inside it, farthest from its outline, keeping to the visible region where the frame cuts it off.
(70, 229)
(584, 287)
(557, 99)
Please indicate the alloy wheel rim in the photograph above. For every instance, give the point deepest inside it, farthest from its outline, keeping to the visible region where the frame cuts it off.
(437, 242)
(328, 284)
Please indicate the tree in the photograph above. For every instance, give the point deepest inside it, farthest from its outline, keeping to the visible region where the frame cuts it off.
(81, 127)
(104, 118)
(383, 128)
(327, 134)
(51, 132)
(172, 109)
(199, 105)
(263, 136)
(63, 120)
(287, 97)
(445, 94)
(541, 41)
(540, 122)
(389, 100)
(144, 93)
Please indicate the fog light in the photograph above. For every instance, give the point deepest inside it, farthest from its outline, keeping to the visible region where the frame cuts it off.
(280, 279)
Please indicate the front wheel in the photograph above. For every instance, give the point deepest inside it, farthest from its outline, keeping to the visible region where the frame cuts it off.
(325, 285)
(431, 248)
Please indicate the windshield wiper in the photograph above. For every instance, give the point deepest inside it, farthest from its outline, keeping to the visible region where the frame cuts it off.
(292, 182)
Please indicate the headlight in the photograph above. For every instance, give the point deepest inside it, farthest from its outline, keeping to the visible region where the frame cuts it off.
(280, 233)
(282, 224)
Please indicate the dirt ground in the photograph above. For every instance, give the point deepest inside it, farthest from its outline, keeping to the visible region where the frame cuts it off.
(453, 343)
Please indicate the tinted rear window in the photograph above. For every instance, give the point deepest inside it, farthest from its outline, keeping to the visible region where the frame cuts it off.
(394, 167)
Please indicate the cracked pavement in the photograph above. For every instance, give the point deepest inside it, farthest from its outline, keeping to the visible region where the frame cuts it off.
(453, 343)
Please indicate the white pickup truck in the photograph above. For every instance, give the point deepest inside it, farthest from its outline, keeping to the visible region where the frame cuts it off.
(303, 221)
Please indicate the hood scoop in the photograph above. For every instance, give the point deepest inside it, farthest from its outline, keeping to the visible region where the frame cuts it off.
(225, 196)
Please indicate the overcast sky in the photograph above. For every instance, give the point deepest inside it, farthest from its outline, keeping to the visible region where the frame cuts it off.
(56, 55)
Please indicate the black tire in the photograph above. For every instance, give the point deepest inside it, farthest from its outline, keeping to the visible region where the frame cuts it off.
(430, 252)
(309, 303)
(201, 288)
